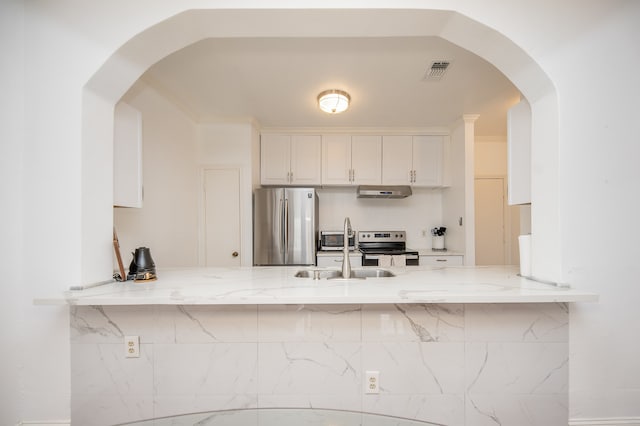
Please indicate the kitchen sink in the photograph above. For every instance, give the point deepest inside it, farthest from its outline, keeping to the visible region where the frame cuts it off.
(318, 274)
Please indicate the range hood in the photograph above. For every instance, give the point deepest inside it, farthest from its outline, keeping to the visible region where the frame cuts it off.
(375, 191)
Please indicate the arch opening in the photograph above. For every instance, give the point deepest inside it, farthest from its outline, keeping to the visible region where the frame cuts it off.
(123, 68)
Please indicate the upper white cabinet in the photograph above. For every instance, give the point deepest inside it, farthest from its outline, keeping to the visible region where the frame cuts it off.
(351, 160)
(519, 153)
(412, 160)
(127, 156)
(290, 160)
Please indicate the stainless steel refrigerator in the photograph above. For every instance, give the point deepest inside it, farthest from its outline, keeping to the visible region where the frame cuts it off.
(285, 226)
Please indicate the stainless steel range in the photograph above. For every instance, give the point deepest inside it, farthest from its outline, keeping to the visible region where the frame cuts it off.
(380, 247)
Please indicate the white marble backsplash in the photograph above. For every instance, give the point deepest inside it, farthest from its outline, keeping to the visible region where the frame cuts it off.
(450, 364)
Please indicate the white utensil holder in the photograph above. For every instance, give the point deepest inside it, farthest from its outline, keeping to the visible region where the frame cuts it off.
(437, 242)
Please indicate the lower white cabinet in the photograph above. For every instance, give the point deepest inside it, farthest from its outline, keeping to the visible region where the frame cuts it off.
(442, 260)
(326, 260)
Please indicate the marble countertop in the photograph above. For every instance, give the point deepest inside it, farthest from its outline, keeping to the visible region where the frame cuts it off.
(277, 285)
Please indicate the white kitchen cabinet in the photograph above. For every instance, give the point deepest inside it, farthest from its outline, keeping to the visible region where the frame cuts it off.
(519, 153)
(351, 160)
(290, 160)
(127, 156)
(412, 160)
(442, 260)
(326, 260)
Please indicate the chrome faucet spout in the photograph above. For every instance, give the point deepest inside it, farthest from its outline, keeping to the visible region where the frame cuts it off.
(346, 263)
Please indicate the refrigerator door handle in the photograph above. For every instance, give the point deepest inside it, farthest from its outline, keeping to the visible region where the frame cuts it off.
(286, 226)
(281, 211)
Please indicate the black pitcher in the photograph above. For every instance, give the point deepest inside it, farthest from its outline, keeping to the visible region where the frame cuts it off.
(142, 267)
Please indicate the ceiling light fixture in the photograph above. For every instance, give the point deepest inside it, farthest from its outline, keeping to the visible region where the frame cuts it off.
(334, 101)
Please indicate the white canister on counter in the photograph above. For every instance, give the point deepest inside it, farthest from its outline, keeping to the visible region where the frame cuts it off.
(437, 242)
(524, 242)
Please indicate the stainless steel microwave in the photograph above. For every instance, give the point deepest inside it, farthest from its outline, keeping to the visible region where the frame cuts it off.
(333, 240)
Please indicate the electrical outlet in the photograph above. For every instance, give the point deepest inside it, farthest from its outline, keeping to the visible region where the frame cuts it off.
(372, 382)
(132, 346)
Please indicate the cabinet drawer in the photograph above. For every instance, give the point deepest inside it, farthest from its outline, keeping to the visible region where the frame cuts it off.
(441, 260)
(336, 261)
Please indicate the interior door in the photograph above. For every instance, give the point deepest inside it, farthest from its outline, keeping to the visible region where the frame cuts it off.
(222, 217)
(490, 221)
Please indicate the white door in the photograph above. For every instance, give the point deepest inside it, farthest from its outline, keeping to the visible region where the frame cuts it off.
(221, 217)
(490, 230)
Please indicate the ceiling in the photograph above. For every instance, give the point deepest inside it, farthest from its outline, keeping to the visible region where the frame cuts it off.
(275, 81)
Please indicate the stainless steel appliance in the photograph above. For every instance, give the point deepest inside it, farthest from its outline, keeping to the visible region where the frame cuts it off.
(374, 244)
(334, 240)
(285, 226)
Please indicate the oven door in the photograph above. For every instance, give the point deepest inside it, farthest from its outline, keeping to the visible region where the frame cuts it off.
(371, 259)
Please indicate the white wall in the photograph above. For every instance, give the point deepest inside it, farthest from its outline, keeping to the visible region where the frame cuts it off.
(421, 211)
(167, 223)
(236, 145)
(13, 295)
(453, 198)
(591, 170)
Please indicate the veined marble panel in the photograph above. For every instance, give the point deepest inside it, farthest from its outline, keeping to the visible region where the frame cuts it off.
(443, 363)
(416, 368)
(205, 369)
(535, 322)
(517, 368)
(109, 324)
(171, 405)
(321, 368)
(413, 322)
(310, 323)
(102, 370)
(89, 410)
(439, 409)
(521, 410)
(205, 324)
(328, 401)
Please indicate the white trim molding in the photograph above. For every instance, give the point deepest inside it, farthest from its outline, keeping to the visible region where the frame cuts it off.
(611, 421)
(46, 423)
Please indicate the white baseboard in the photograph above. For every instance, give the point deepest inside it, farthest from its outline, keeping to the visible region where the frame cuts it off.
(46, 423)
(612, 421)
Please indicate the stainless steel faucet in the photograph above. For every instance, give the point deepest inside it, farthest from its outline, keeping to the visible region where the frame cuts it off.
(346, 263)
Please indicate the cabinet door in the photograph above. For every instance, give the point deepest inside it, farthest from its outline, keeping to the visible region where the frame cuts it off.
(336, 160)
(397, 160)
(275, 159)
(127, 156)
(366, 160)
(427, 160)
(305, 160)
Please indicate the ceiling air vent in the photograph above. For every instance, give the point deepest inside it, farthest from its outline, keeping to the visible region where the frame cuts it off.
(436, 71)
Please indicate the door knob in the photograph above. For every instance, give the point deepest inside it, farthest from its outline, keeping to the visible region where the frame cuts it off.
(234, 254)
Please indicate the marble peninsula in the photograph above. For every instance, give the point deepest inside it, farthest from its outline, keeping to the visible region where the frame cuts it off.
(453, 346)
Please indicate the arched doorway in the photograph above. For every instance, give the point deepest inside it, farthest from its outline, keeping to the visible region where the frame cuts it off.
(134, 57)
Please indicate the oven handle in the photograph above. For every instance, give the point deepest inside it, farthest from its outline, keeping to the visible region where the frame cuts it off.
(377, 256)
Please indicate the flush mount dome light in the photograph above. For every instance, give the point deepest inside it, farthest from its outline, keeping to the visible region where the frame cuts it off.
(334, 101)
